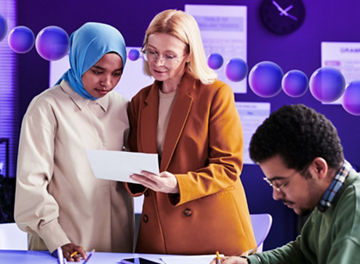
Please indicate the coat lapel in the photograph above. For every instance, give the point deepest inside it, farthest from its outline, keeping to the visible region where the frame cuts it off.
(149, 120)
(177, 121)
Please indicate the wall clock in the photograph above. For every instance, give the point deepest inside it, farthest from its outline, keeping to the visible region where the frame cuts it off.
(282, 16)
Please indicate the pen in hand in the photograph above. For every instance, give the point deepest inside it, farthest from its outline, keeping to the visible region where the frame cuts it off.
(218, 258)
(76, 252)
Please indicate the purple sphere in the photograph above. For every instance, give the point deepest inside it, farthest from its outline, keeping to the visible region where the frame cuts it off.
(215, 61)
(351, 98)
(134, 54)
(327, 84)
(265, 79)
(295, 83)
(236, 69)
(52, 43)
(21, 39)
(3, 27)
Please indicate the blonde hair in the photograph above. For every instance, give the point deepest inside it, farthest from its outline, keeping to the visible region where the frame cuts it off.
(183, 26)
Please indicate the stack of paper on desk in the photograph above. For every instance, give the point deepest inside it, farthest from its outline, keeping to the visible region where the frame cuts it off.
(119, 165)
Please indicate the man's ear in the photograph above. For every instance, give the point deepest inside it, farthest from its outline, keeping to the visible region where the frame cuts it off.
(319, 167)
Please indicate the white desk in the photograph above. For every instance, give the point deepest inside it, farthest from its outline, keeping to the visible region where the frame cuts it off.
(44, 257)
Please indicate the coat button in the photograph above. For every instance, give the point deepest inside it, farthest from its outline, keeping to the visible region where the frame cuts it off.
(146, 193)
(145, 218)
(187, 212)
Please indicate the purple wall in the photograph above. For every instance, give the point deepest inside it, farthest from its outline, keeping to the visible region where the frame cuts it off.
(326, 20)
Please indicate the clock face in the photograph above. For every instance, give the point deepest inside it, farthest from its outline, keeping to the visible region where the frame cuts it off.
(282, 16)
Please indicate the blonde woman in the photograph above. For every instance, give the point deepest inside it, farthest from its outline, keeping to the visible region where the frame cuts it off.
(197, 204)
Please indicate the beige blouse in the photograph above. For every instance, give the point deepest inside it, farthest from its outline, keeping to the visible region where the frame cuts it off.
(166, 102)
(58, 199)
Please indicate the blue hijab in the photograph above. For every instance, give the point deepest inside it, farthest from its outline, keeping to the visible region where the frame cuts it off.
(89, 44)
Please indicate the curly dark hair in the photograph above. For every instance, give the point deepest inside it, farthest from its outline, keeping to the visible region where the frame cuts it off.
(298, 134)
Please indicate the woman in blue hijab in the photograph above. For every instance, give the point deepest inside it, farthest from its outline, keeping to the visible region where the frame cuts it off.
(87, 45)
(59, 202)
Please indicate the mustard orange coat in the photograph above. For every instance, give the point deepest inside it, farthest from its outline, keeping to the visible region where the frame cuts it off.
(203, 147)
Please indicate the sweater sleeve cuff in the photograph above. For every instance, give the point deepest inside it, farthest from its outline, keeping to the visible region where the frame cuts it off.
(53, 235)
(254, 259)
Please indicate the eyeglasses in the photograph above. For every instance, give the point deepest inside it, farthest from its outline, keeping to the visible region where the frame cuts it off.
(153, 56)
(279, 187)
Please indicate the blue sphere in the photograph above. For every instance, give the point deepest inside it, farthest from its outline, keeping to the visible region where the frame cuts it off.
(265, 79)
(215, 61)
(52, 43)
(295, 83)
(236, 69)
(351, 98)
(134, 54)
(21, 39)
(327, 84)
(3, 27)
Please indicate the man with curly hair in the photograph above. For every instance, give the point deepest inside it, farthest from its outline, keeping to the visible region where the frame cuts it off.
(301, 155)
